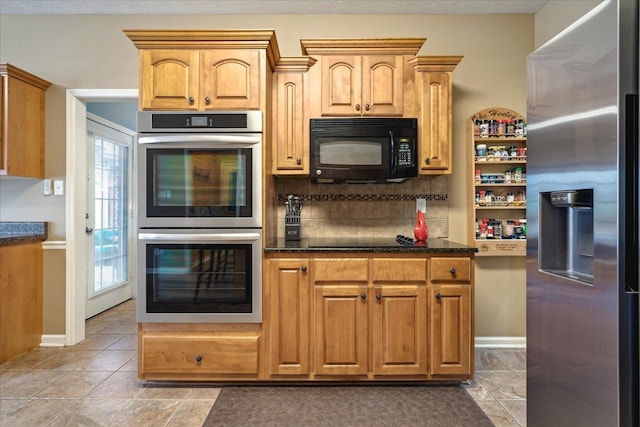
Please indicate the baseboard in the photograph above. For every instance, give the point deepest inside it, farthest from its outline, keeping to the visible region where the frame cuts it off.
(52, 340)
(501, 342)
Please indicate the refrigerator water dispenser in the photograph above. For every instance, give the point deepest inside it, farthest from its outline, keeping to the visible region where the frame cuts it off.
(566, 234)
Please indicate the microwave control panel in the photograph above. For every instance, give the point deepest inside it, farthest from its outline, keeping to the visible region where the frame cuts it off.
(405, 154)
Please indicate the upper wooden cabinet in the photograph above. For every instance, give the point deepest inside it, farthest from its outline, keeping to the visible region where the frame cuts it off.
(434, 87)
(22, 121)
(360, 77)
(204, 70)
(291, 116)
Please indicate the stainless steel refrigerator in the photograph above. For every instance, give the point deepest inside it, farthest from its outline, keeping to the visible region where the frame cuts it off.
(582, 223)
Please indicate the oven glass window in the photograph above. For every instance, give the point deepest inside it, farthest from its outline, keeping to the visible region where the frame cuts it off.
(198, 278)
(199, 183)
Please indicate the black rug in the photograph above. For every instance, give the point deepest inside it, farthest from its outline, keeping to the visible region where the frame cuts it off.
(370, 406)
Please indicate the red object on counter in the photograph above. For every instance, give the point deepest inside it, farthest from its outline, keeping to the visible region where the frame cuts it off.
(421, 231)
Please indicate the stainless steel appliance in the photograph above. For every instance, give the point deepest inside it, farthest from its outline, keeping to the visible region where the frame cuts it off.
(200, 216)
(200, 275)
(363, 150)
(199, 169)
(582, 215)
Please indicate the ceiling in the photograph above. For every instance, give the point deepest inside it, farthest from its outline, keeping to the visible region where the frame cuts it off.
(269, 7)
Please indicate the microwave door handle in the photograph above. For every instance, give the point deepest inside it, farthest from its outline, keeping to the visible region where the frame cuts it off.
(393, 155)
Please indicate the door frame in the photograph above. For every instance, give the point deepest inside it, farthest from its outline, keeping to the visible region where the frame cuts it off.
(75, 280)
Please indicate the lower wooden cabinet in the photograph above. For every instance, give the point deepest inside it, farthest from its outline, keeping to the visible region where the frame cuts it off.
(348, 317)
(289, 317)
(371, 318)
(450, 330)
(198, 352)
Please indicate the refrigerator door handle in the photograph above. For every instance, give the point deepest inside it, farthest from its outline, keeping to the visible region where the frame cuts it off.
(632, 172)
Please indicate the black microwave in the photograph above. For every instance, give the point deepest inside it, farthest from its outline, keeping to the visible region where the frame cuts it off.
(363, 150)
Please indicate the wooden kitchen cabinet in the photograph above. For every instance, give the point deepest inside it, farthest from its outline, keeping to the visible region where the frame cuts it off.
(21, 266)
(204, 70)
(399, 316)
(434, 88)
(22, 123)
(362, 85)
(198, 351)
(291, 116)
(450, 323)
(199, 80)
(361, 77)
(341, 314)
(289, 319)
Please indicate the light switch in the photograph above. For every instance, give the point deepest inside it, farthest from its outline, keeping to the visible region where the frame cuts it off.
(421, 205)
(47, 190)
(58, 187)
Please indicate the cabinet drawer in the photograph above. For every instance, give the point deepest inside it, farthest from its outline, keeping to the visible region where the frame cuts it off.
(450, 269)
(341, 269)
(399, 270)
(201, 354)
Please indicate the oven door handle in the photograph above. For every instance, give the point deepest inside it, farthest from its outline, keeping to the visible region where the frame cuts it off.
(212, 138)
(201, 237)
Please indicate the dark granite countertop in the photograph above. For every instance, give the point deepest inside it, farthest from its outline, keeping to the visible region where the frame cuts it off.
(366, 244)
(22, 232)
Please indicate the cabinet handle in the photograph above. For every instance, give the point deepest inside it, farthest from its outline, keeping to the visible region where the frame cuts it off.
(207, 100)
(378, 297)
(357, 107)
(303, 268)
(427, 160)
(453, 270)
(438, 296)
(363, 295)
(198, 358)
(367, 107)
(191, 100)
(299, 161)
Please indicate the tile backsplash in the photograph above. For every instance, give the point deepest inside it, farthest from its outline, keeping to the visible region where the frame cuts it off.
(377, 210)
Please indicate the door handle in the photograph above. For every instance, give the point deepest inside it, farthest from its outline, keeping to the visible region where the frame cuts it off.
(88, 230)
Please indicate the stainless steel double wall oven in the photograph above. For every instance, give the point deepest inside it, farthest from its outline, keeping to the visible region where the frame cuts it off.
(199, 216)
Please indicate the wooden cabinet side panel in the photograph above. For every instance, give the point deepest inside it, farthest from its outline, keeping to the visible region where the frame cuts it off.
(230, 79)
(169, 78)
(450, 326)
(20, 299)
(289, 350)
(400, 330)
(435, 123)
(341, 330)
(291, 130)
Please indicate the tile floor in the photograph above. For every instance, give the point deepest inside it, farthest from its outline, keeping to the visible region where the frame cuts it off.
(94, 384)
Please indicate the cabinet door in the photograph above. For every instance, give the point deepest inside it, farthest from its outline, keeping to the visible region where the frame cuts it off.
(169, 79)
(341, 344)
(289, 296)
(341, 85)
(400, 330)
(291, 138)
(382, 85)
(450, 330)
(435, 123)
(230, 79)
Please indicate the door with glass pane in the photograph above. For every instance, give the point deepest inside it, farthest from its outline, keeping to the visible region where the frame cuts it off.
(108, 218)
